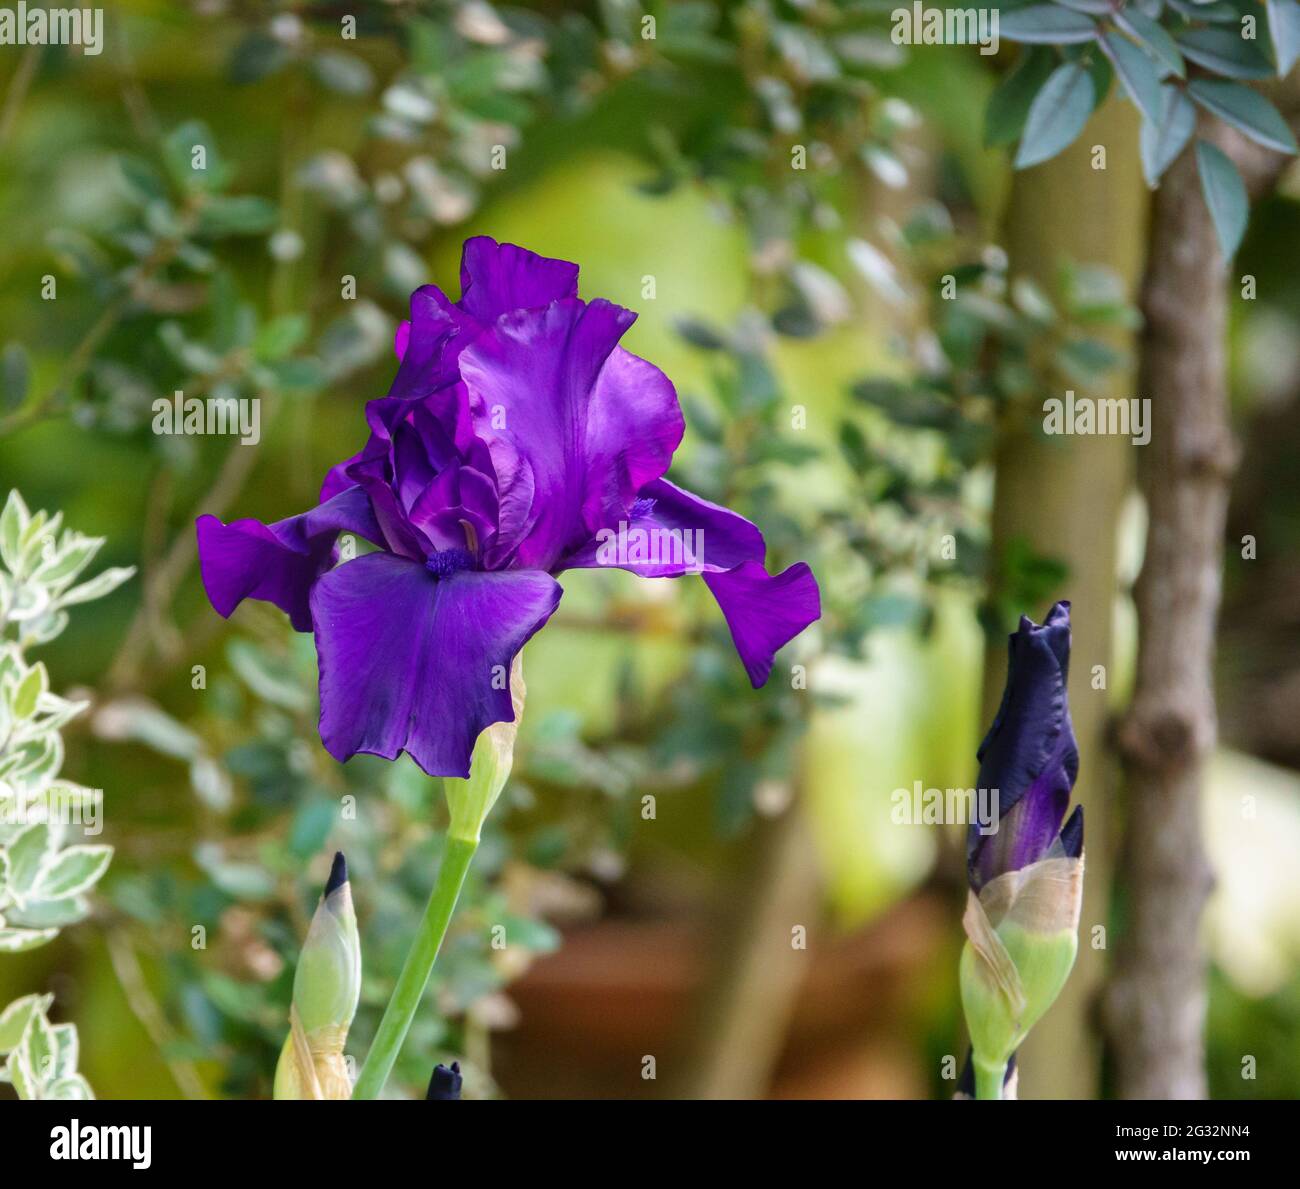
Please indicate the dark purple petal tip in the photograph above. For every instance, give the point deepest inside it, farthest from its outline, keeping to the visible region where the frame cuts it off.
(445, 1084)
(338, 873)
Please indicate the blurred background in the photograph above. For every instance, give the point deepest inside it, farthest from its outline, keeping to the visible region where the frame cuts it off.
(862, 308)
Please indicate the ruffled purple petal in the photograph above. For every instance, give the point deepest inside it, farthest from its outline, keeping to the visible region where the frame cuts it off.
(1029, 754)
(496, 279)
(429, 343)
(396, 531)
(634, 426)
(594, 425)
(457, 509)
(410, 662)
(764, 611)
(278, 563)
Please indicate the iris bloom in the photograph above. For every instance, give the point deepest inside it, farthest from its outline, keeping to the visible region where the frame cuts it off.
(1026, 879)
(517, 441)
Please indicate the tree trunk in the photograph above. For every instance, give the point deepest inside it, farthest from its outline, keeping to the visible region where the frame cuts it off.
(1157, 999)
(1065, 501)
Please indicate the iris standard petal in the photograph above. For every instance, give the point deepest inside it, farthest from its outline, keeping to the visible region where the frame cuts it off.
(495, 279)
(764, 611)
(410, 662)
(548, 386)
(498, 278)
(428, 344)
(278, 563)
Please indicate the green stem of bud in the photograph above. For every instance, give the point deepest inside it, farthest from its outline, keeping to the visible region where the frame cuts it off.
(415, 973)
(989, 1076)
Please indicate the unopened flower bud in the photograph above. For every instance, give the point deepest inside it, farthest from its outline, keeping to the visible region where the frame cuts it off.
(445, 1083)
(1026, 875)
(326, 988)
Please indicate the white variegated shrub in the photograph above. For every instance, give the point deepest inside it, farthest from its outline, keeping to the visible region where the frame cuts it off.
(46, 876)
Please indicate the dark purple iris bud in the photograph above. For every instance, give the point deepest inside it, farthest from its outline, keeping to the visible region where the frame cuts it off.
(445, 1083)
(519, 440)
(1030, 756)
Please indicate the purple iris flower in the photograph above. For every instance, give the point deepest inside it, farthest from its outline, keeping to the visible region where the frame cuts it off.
(518, 440)
(1030, 756)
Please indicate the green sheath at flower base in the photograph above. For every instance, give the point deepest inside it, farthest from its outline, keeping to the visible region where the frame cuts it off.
(1022, 937)
(326, 988)
(470, 801)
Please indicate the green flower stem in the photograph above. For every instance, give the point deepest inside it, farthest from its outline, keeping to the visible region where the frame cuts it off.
(418, 966)
(989, 1077)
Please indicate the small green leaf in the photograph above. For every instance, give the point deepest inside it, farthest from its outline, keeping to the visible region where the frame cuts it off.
(1047, 24)
(30, 688)
(1214, 12)
(1008, 108)
(72, 556)
(242, 214)
(1246, 110)
(191, 156)
(1225, 195)
(142, 180)
(97, 587)
(1284, 25)
(13, 1020)
(1161, 143)
(17, 1071)
(50, 914)
(280, 336)
(68, 1050)
(13, 521)
(27, 851)
(18, 941)
(70, 1089)
(1224, 52)
(1153, 38)
(72, 871)
(256, 57)
(345, 74)
(40, 1047)
(1057, 114)
(1137, 72)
